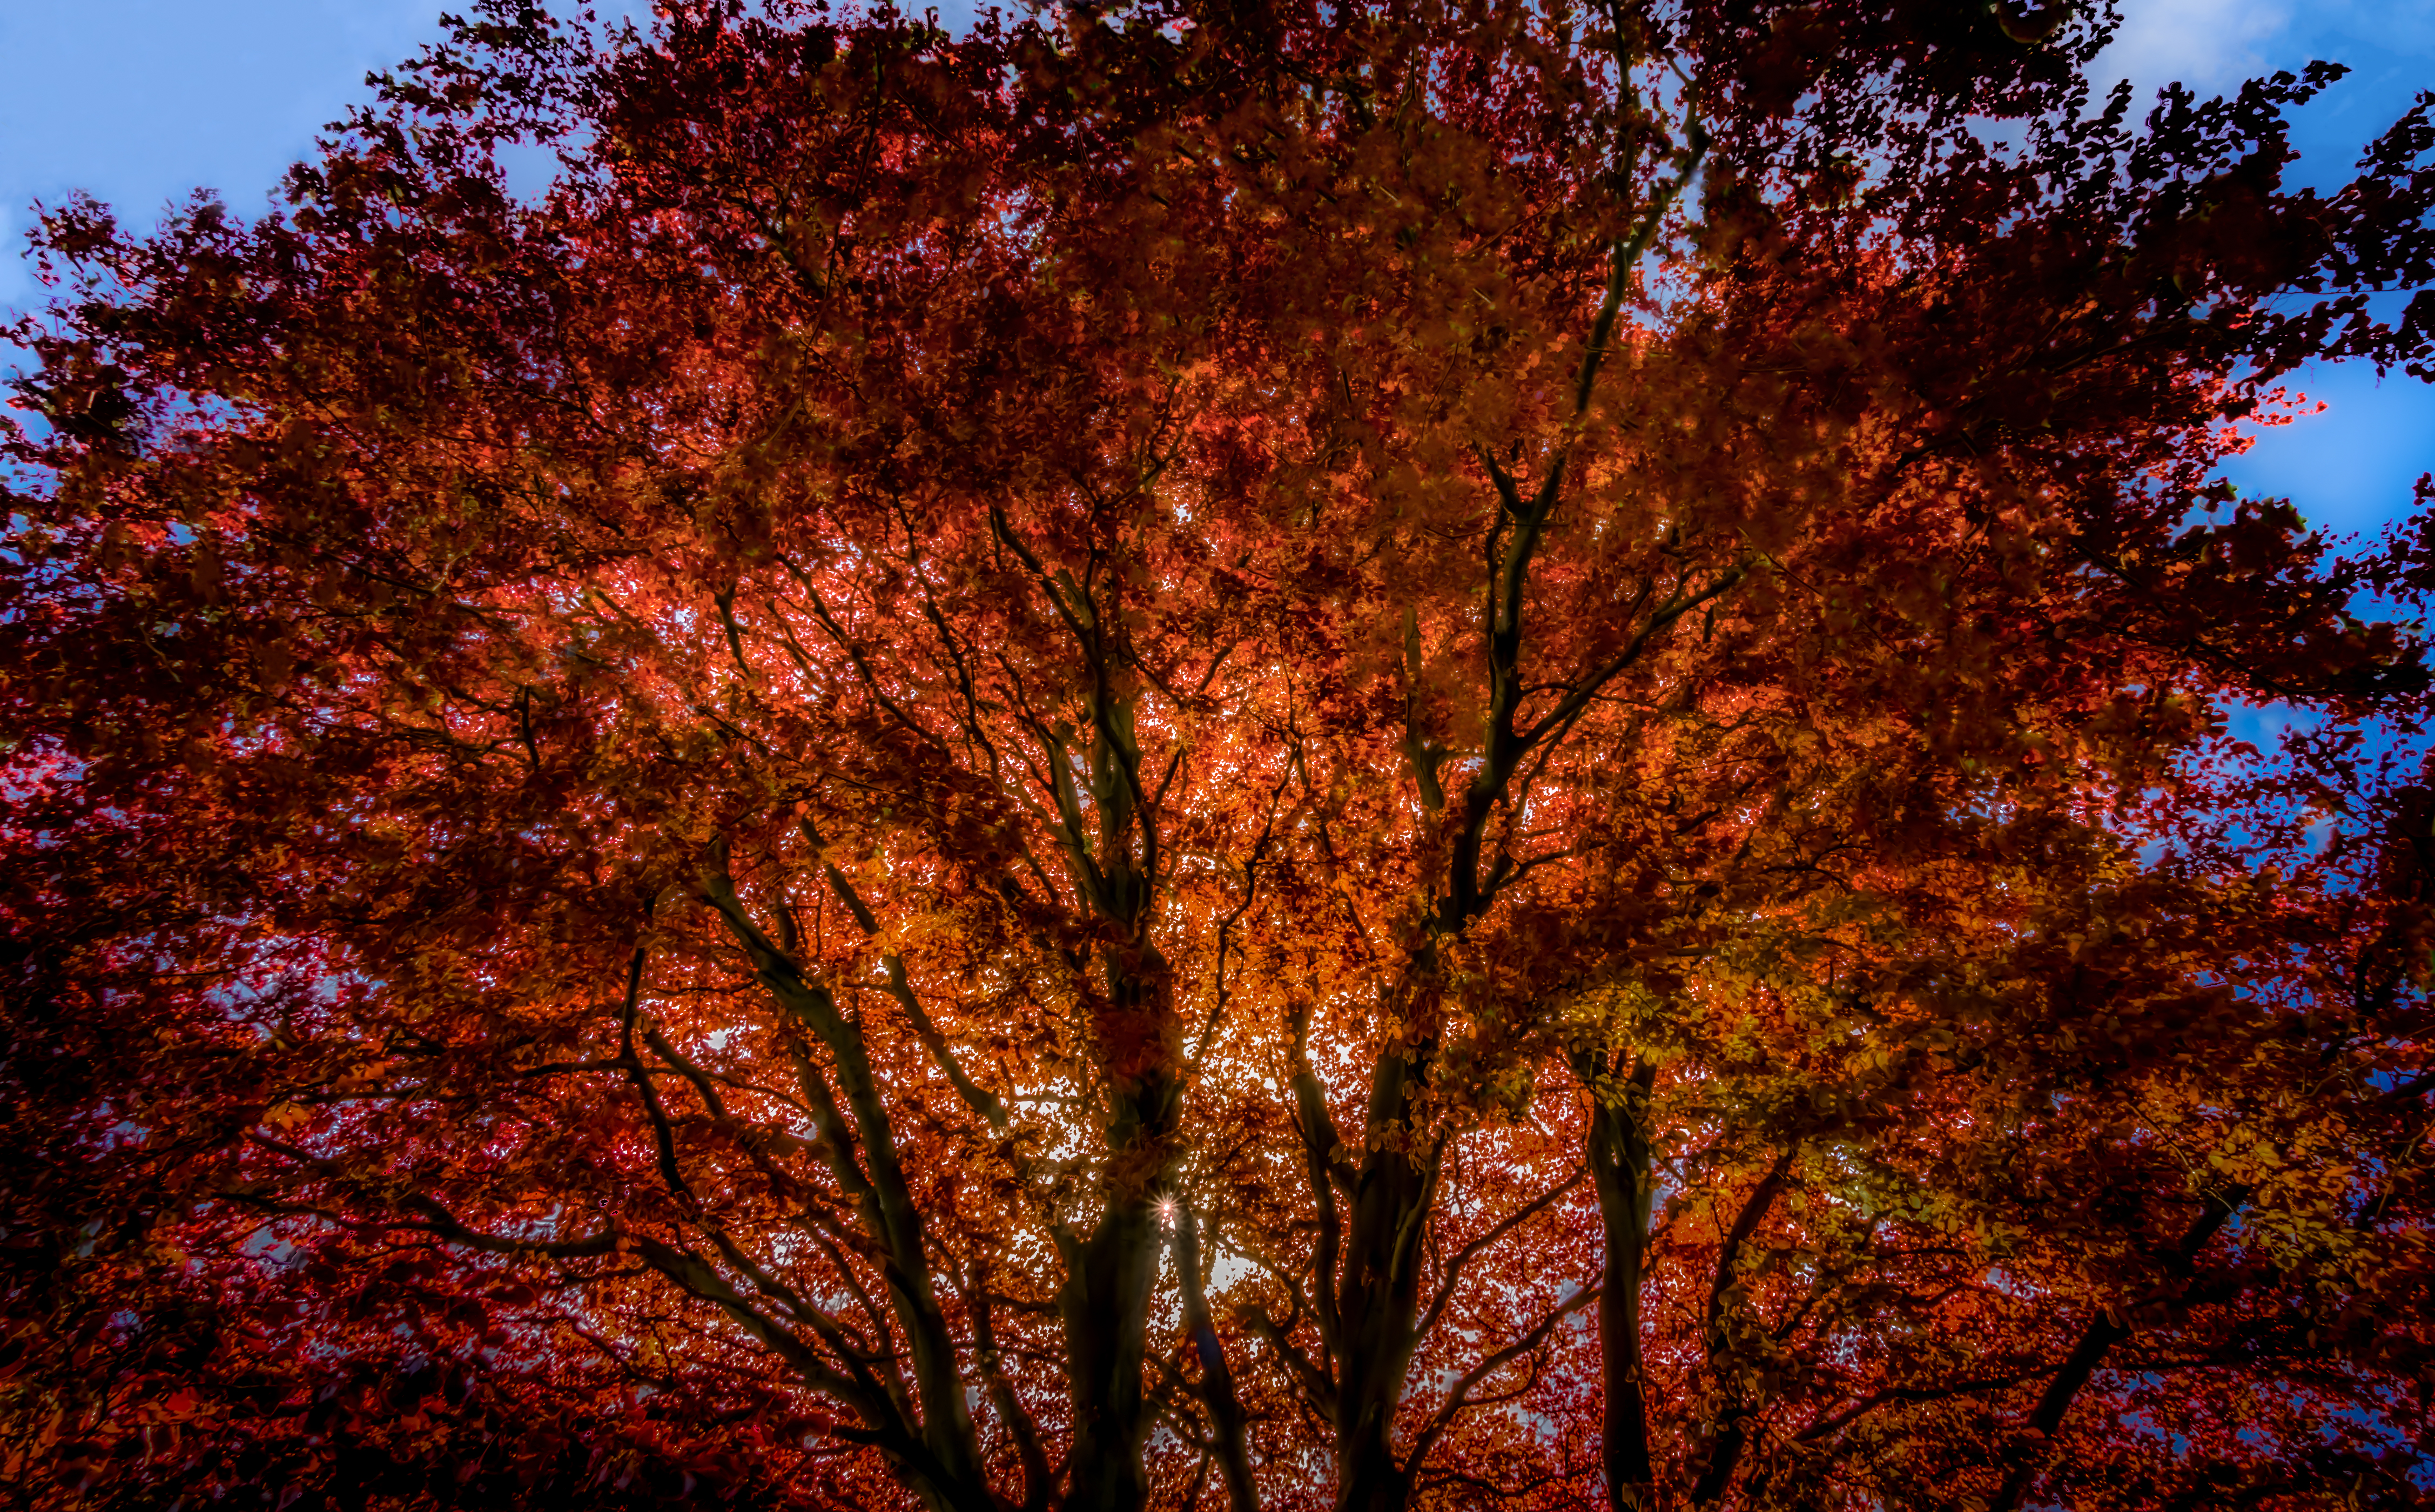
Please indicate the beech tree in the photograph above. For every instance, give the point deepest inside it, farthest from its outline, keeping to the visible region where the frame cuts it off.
(1394, 755)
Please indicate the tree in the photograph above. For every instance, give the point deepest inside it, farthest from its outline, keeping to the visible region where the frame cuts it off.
(1393, 756)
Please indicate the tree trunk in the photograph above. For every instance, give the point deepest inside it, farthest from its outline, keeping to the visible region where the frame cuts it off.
(1105, 1303)
(1378, 1299)
(1108, 1277)
(1619, 1162)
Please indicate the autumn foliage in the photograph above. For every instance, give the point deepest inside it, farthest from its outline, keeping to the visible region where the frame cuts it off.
(1402, 755)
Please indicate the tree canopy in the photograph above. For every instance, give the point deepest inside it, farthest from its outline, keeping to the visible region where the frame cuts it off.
(1399, 755)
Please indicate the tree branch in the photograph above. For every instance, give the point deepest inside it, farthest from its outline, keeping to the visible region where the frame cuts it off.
(948, 1430)
(1460, 1396)
(1216, 1379)
(1463, 1256)
(979, 1099)
(2101, 1334)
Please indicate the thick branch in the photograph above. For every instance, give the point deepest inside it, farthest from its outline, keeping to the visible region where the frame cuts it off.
(1454, 1265)
(1460, 1396)
(2101, 1334)
(1216, 1379)
(1734, 1436)
(979, 1099)
(947, 1421)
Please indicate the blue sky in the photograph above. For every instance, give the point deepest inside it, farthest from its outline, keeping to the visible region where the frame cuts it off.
(141, 101)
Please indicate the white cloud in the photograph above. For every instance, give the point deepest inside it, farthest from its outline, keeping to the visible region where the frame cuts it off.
(2207, 45)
